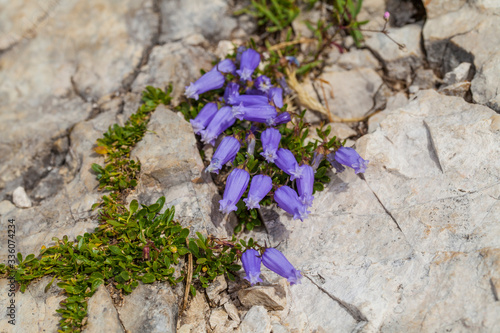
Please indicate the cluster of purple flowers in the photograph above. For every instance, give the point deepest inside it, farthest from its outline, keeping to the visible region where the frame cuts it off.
(257, 101)
(273, 260)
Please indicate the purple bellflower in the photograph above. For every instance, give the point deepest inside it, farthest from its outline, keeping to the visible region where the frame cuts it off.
(250, 59)
(305, 185)
(276, 261)
(204, 117)
(209, 81)
(248, 100)
(222, 121)
(270, 141)
(317, 158)
(259, 188)
(258, 113)
(281, 118)
(226, 66)
(236, 184)
(263, 83)
(293, 60)
(251, 261)
(239, 52)
(338, 167)
(276, 96)
(226, 152)
(289, 201)
(349, 157)
(286, 161)
(231, 93)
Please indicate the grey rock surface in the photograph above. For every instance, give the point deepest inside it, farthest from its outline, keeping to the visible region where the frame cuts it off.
(181, 18)
(399, 62)
(20, 198)
(397, 248)
(172, 167)
(467, 32)
(271, 297)
(255, 321)
(102, 314)
(150, 308)
(341, 86)
(35, 309)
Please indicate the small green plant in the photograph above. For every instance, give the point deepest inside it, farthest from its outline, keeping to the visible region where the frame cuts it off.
(274, 15)
(135, 243)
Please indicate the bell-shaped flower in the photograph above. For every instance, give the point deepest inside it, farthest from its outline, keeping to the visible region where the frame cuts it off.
(204, 117)
(263, 83)
(251, 261)
(338, 167)
(221, 122)
(276, 96)
(281, 118)
(277, 262)
(289, 201)
(270, 139)
(249, 100)
(349, 157)
(305, 185)
(259, 188)
(239, 52)
(317, 158)
(250, 59)
(286, 161)
(226, 66)
(231, 93)
(258, 113)
(236, 184)
(225, 152)
(209, 81)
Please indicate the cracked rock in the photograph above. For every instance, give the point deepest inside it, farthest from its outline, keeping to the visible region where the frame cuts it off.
(256, 321)
(216, 287)
(273, 298)
(232, 311)
(102, 314)
(178, 175)
(400, 63)
(150, 308)
(218, 318)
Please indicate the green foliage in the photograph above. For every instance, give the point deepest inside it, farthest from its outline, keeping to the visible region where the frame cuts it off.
(274, 15)
(131, 244)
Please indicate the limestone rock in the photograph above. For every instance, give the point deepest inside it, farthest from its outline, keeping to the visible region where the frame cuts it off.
(216, 287)
(459, 74)
(256, 321)
(177, 174)
(218, 318)
(175, 63)
(271, 297)
(102, 314)
(400, 63)
(20, 198)
(193, 319)
(150, 308)
(232, 311)
(467, 32)
(35, 308)
(430, 195)
(181, 18)
(350, 94)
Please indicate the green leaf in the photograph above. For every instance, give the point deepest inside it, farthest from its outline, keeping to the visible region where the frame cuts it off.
(201, 261)
(148, 278)
(134, 205)
(125, 275)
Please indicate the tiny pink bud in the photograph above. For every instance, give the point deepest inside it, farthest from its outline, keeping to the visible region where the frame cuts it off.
(387, 15)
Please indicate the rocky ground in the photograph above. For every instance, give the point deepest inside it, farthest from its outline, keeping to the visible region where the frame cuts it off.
(413, 245)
